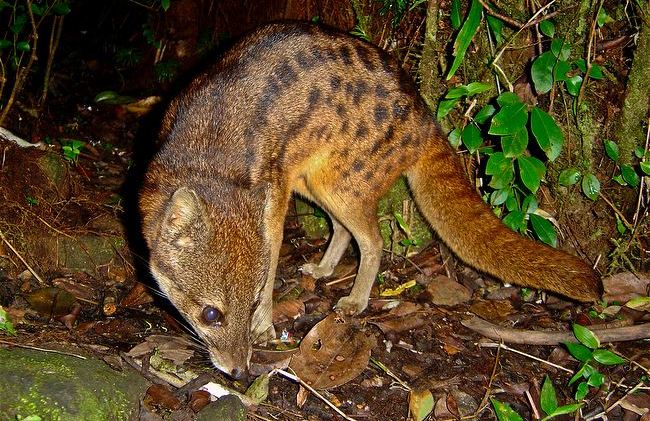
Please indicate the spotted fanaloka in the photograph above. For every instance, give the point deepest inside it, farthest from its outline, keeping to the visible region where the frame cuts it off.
(299, 108)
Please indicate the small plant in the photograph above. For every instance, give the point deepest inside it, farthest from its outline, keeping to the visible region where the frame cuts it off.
(166, 70)
(409, 241)
(5, 324)
(515, 175)
(71, 149)
(31, 201)
(589, 353)
(127, 56)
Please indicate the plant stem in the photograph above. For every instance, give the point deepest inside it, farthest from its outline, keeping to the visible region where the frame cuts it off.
(55, 37)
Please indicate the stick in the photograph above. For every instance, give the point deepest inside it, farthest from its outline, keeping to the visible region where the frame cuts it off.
(35, 348)
(532, 337)
(21, 258)
(312, 390)
(532, 357)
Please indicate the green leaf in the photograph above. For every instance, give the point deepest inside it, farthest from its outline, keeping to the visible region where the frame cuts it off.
(620, 226)
(529, 204)
(578, 351)
(596, 380)
(508, 98)
(596, 72)
(23, 46)
(516, 221)
(566, 409)
(497, 163)
(61, 9)
(547, 27)
(542, 72)
(454, 15)
(590, 186)
(547, 397)
(472, 138)
(606, 357)
(586, 336)
(560, 70)
(465, 36)
(484, 113)
(531, 171)
(514, 145)
(454, 138)
(629, 175)
(5, 43)
(37, 10)
(19, 24)
(581, 391)
(547, 132)
(603, 17)
(456, 92)
(402, 223)
(619, 179)
(645, 167)
(639, 152)
(509, 120)
(474, 88)
(581, 373)
(611, 149)
(511, 203)
(544, 230)
(165, 4)
(504, 412)
(569, 177)
(496, 26)
(499, 197)
(445, 106)
(573, 85)
(581, 64)
(561, 49)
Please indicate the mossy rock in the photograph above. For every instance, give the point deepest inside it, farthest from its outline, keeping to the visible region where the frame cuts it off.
(61, 387)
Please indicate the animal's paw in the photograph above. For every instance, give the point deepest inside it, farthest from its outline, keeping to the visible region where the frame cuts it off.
(315, 271)
(350, 306)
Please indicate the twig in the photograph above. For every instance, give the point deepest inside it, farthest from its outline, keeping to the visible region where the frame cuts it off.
(635, 218)
(21, 258)
(488, 389)
(615, 404)
(510, 21)
(516, 351)
(617, 211)
(592, 37)
(35, 348)
(532, 337)
(295, 378)
(339, 280)
(388, 371)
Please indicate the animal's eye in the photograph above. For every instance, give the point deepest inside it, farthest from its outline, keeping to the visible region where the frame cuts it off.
(211, 315)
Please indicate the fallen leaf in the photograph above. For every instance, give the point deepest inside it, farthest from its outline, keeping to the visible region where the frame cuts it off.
(159, 396)
(137, 296)
(420, 404)
(301, 397)
(447, 292)
(265, 360)
(288, 310)
(334, 352)
(392, 292)
(176, 349)
(199, 399)
(51, 301)
(624, 286)
(492, 310)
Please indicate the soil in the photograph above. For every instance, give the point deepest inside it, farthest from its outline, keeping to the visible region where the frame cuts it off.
(72, 220)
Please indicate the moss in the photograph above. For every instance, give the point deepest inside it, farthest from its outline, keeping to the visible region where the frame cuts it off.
(60, 387)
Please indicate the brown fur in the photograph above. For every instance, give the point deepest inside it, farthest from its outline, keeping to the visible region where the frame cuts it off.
(298, 108)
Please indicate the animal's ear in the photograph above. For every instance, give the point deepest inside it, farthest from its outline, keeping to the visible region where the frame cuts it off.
(184, 211)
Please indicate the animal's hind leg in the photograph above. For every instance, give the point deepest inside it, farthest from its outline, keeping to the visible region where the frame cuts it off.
(335, 250)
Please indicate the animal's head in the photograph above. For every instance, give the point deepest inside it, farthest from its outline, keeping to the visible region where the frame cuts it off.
(211, 260)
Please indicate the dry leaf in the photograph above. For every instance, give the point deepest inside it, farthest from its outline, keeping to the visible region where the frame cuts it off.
(420, 404)
(51, 301)
(624, 286)
(447, 292)
(334, 352)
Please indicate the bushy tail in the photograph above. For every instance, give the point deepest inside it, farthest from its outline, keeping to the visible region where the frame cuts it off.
(478, 237)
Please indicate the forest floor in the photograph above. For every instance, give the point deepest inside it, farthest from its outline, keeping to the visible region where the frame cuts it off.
(68, 215)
